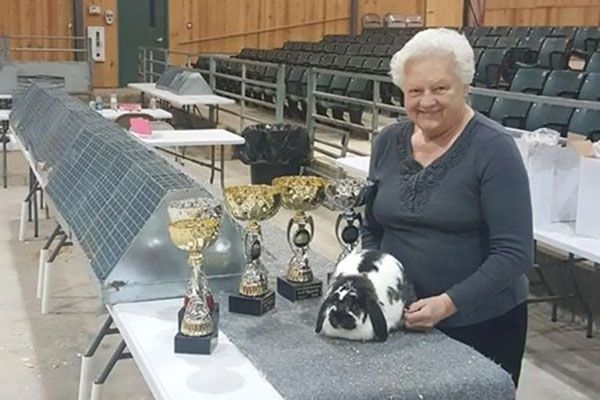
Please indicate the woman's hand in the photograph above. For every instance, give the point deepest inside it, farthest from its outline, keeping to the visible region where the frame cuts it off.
(425, 313)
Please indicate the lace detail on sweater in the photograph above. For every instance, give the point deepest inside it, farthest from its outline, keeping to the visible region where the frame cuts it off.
(418, 182)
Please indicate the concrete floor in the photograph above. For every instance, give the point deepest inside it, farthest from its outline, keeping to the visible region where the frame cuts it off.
(39, 355)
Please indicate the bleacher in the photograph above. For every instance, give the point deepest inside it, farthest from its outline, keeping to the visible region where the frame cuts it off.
(534, 60)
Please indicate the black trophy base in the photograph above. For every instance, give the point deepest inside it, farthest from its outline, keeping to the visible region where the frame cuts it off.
(294, 291)
(197, 344)
(252, 305)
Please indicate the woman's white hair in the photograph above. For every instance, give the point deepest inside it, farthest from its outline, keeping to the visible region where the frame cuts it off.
(436, 42)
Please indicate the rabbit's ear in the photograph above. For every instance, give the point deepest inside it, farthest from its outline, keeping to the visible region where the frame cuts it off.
(377, 320)
(321, 317)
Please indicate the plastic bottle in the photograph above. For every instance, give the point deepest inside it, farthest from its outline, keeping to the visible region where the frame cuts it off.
(113, 101)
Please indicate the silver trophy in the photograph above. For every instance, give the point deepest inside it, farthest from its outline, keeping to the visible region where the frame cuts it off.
(345, 195)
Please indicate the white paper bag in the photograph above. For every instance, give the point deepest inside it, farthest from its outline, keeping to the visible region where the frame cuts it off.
(566, 186)
(553, 174)
(588, 203)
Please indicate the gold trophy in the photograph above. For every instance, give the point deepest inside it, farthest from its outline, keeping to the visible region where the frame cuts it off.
(252, 203)
(194, 227)
(300, 194)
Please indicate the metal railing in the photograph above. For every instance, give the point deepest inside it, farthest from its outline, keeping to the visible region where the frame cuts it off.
(74, 49)
(371, 104)
(151, 60)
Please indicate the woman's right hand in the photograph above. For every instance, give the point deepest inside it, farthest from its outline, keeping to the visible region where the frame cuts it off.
(425, 313)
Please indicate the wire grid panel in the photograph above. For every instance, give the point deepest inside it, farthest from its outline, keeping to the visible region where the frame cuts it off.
(122, 217)
(20, 106)
(107, 188)
(32, 114)
(105, 183)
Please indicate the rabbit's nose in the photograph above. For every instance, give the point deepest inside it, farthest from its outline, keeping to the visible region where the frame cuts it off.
(343, 320)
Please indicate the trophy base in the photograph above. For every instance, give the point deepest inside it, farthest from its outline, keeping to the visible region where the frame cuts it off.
(294, 291)
(252, 305)
(197, 344)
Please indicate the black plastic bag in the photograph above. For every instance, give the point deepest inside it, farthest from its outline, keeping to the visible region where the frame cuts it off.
(274, 144)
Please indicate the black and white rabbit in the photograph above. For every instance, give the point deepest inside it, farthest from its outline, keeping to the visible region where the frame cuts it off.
(366, 297)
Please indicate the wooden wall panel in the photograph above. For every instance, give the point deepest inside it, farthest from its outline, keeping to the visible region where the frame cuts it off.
(37, 18)
(226, 26)
(106, 74)
(444, 13)
(406, 7)
(542, 12)
(55, 18)
(332, 9)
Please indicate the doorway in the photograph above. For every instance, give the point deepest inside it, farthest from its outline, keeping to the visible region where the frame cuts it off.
(142, 23)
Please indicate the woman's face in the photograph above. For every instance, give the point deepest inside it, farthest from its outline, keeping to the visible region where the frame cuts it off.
(434, 98)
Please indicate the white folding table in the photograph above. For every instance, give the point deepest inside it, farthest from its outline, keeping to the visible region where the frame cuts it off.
(185, 102)
(147, 329)
(156, 113)
(355, 165)
(562, 237)
(196, 137)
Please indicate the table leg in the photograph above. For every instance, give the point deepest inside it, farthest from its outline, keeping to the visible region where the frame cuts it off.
(212, 164)
(22, 220)
(588, 312)
(211, 115)
(45, 295)
(36, 225)
(119, 354)
(44, 257)
(84, 376)
(31, 178)
(222, 165)
(4, 162)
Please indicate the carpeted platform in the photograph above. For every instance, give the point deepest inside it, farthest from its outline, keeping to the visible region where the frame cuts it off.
(303, 365)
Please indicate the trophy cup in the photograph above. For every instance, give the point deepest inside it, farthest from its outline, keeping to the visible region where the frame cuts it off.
(252, 203)
(194, 227)
(344, 195)
(300, 194)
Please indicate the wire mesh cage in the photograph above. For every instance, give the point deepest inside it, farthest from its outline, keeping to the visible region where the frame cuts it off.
(113, 191)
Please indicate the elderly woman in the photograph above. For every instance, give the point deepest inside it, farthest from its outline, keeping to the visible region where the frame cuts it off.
(452, 204)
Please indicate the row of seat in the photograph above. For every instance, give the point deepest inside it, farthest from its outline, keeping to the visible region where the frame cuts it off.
(494, 64)
(333, 53)
(296, 80)
(353, 49)
(584, 39)
(531, 116)
(495, 67)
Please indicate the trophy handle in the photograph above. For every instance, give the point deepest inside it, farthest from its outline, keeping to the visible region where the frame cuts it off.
(311, 224)
(253, 241)
(338, 234)
(290, 239)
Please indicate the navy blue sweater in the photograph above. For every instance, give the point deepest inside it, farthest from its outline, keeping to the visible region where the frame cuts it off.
(461, 225)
